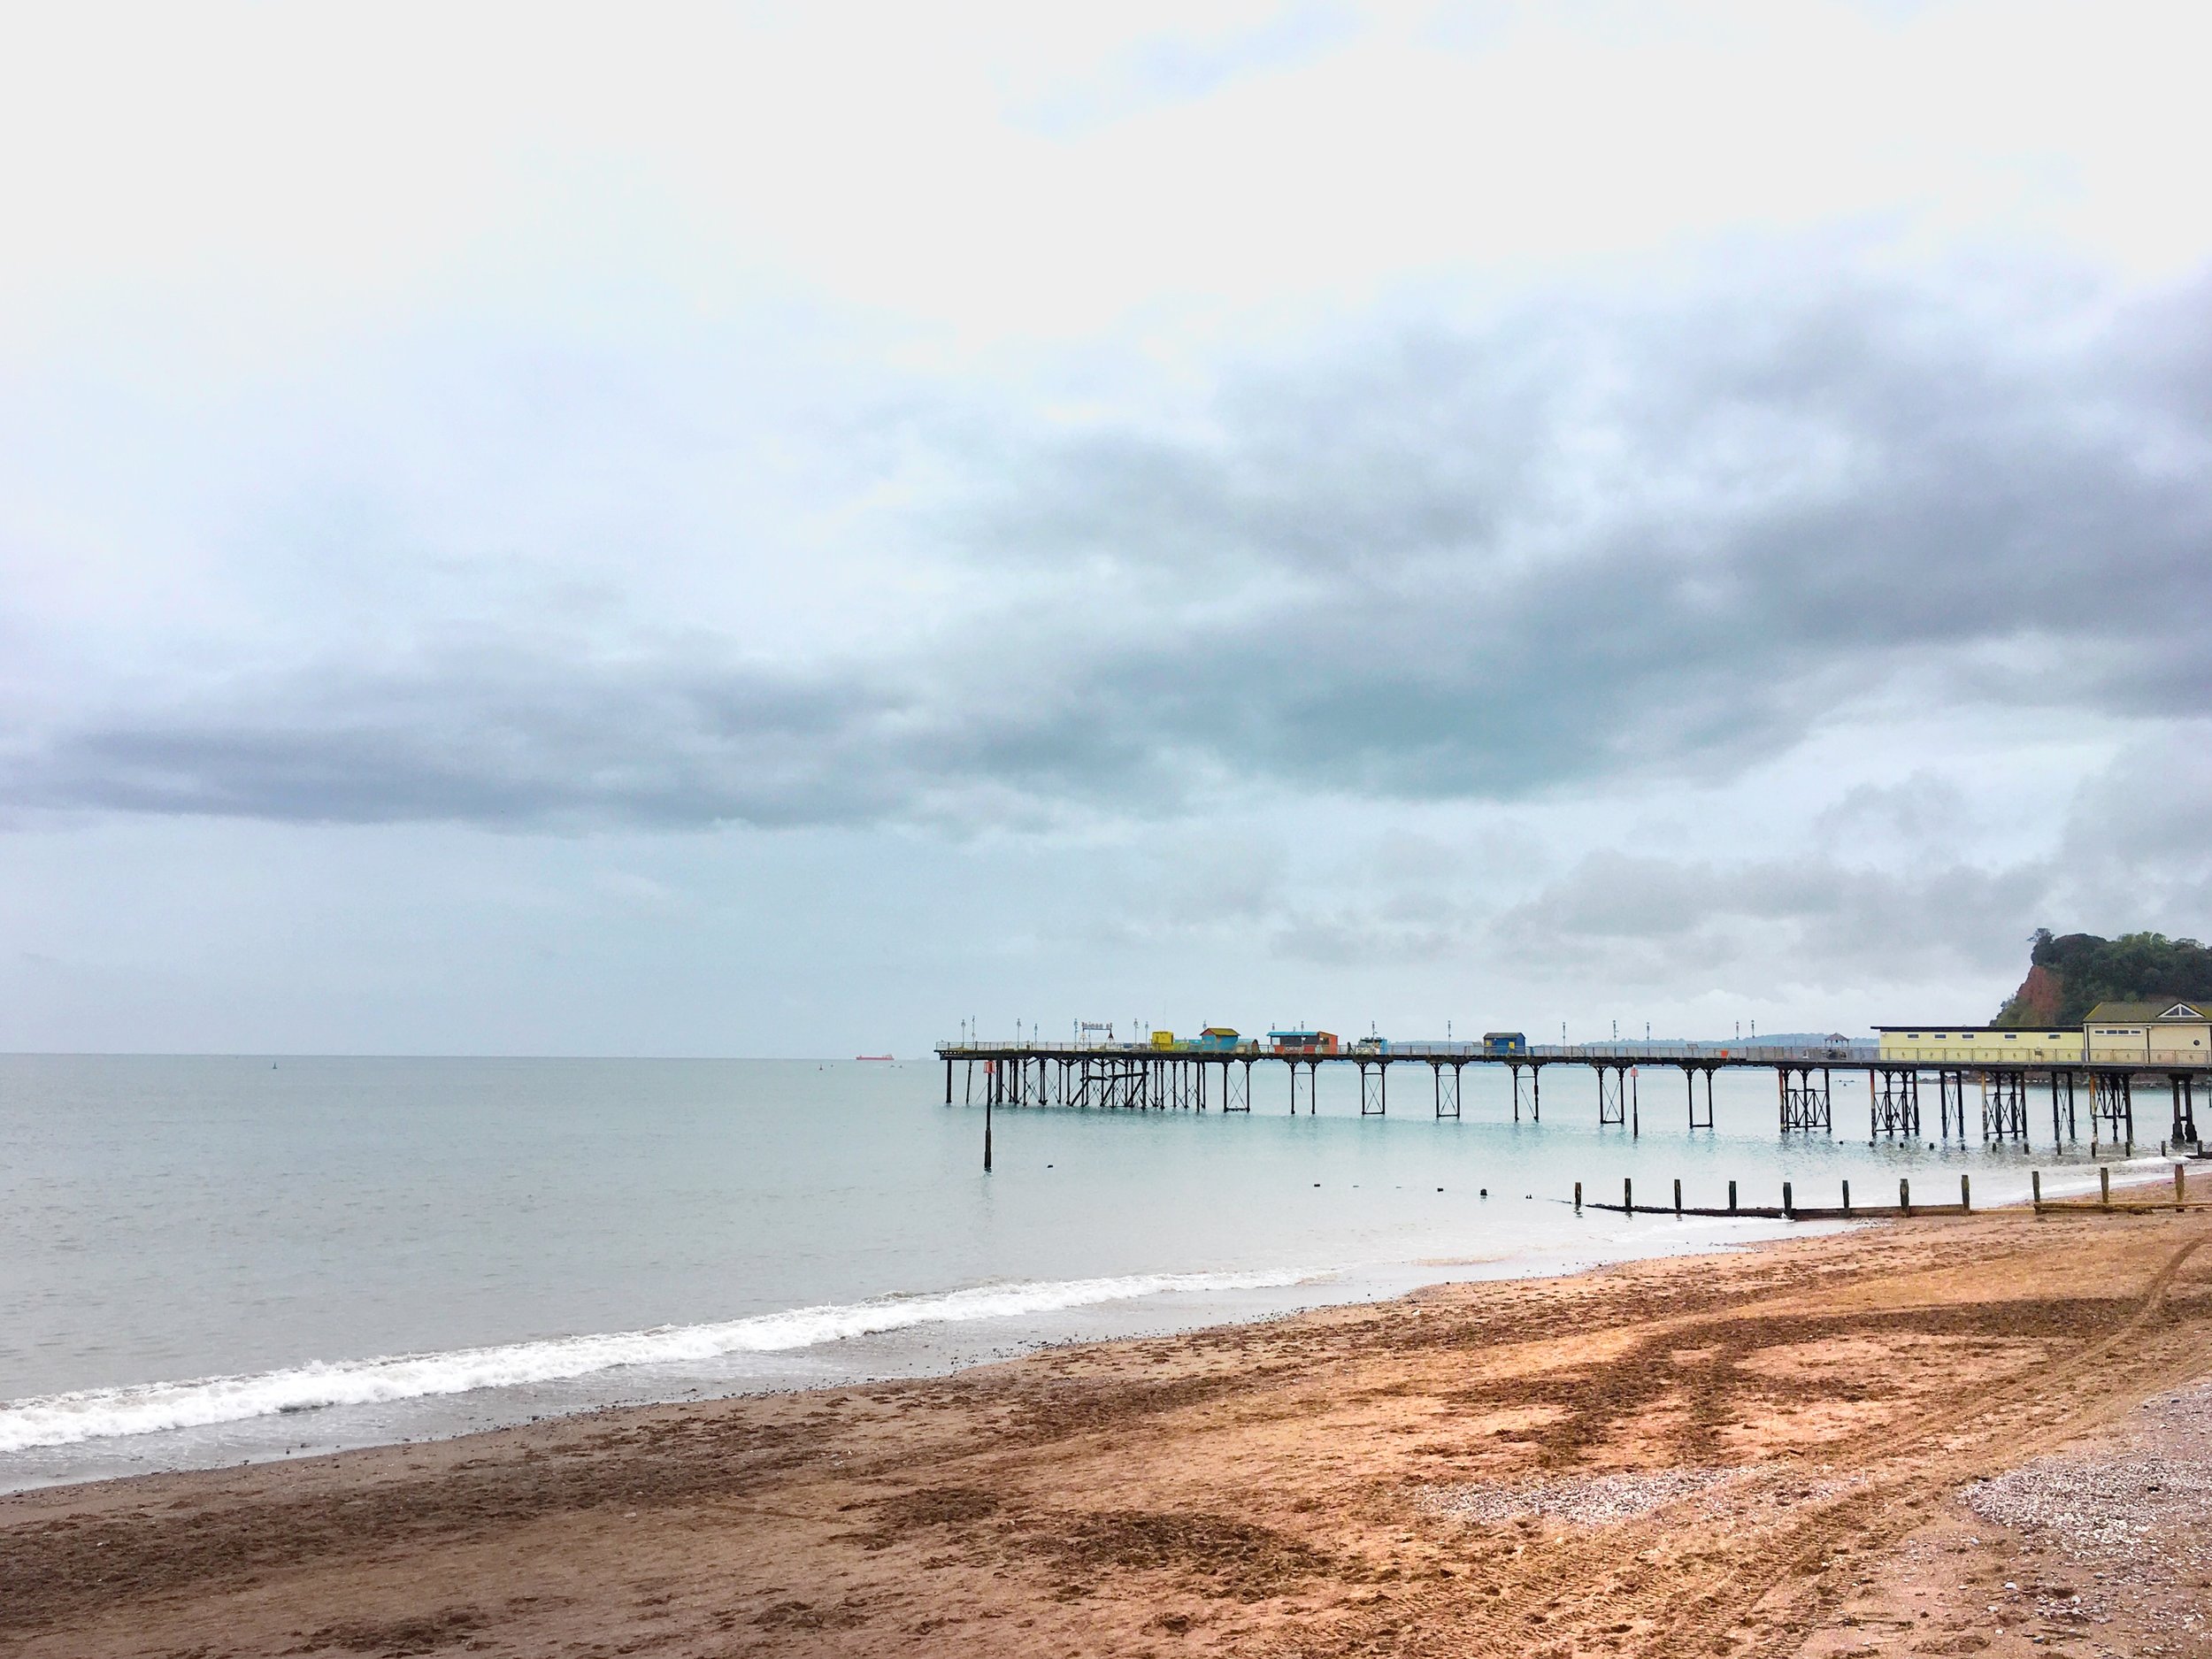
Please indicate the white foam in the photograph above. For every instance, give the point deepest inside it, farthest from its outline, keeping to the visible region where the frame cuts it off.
(67, 1419)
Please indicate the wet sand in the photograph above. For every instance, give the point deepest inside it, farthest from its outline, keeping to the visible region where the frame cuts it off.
(1771, 1452)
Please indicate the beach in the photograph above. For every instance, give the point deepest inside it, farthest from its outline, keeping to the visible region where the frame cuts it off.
(1846, 1443)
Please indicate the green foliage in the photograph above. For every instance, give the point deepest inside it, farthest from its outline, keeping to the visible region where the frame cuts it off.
(2133, 968)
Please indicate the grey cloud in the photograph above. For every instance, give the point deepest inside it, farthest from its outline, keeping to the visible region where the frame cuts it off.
(2131, 852)
(2135, 844)
(1752, 926)
(1393, 902)
(511, 737)
(1351, 939)
(1923, 814)
(1582, 544)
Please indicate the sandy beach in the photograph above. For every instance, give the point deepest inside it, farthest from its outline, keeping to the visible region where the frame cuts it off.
(1945, 1436)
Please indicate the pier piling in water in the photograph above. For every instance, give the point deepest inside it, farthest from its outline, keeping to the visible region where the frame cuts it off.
(1163, 1074)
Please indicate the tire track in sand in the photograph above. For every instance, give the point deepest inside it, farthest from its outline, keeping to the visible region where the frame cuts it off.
(1709, 1599)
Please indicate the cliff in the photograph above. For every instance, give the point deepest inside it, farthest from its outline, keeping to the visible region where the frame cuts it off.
(2070, 974)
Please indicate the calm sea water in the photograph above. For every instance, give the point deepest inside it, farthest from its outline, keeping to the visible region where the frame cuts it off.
(210, 1260)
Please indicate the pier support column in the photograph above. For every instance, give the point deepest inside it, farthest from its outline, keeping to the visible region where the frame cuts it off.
(1374, 1089)
(1446, 1101)
(1951, 1099)
(2183, 1087)
(1806, 1106)
(1893, 1102)
(1690, 1075)
(1612, 1096)
(2112, 1106)
(2005, 1106)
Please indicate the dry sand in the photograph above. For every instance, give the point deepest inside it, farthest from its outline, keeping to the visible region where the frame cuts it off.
(1937, 1437)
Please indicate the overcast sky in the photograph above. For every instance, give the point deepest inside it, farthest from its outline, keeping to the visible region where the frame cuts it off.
(731, 530)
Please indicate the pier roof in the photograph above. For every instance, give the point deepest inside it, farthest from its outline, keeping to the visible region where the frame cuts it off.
(2147, 1013)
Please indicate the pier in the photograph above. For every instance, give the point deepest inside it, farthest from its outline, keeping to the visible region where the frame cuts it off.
(1994, 1099)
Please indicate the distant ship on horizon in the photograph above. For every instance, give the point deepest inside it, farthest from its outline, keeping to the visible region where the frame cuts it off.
(871, 1057)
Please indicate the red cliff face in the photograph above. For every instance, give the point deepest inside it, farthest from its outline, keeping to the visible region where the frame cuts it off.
(2036, 1001)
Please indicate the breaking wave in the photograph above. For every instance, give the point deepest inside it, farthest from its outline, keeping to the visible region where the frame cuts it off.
(66, 1420)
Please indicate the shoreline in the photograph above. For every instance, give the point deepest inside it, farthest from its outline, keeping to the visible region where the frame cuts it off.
(901, 1354)
(1288, 1486)
(909, 1349)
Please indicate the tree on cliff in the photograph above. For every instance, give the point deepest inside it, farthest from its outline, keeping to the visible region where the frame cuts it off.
(2071, 974)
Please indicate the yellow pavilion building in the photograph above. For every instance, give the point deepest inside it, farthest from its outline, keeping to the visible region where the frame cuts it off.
(2167, 1032)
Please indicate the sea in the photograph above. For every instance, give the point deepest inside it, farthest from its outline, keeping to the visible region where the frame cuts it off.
(210, 1261)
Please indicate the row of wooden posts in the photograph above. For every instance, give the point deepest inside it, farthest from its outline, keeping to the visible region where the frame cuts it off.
(1791, 1210)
